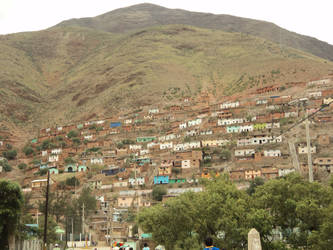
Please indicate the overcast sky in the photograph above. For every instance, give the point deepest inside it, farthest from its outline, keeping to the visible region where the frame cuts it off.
(308, 17)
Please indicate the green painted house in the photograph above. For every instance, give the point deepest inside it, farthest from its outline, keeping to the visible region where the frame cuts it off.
(146, 139)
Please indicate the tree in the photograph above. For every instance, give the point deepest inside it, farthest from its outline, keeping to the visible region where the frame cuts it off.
(221, 211)
(158, 192)
(72, 134)
(296, 206)
(10, 154)
(73, 181)
(70, 160)
(11, 201)
(22, 166)
(258, 181)
(5, 165)
(28, 150)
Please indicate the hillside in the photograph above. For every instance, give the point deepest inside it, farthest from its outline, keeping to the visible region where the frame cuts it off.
(68, 74)
(142, 16)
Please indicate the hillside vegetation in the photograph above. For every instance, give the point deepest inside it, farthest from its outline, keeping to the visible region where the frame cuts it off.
(69, 73)
(146, 15)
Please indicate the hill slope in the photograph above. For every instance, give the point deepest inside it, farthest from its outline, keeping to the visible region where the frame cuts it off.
(70, 73)
(147, 15)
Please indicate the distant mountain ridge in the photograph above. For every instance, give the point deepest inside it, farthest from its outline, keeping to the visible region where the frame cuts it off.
(146, 15)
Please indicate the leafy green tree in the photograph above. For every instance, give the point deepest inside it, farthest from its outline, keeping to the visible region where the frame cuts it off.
(28, 150)
(73, 181)
(258, 181)
(72, 134)
(46, 144)
(296, 206)
(11, 201)
(10, 154)
(221, 211)
(70, 160)
(158, 192)
(5, 165)
(22, 166)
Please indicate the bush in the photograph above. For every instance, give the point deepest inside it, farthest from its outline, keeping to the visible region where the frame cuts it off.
(70, 160)
(10, 154)
(73, 181)
(5, 165)
(22, 166)
(158, 192)
(72, 134)
(27, 150)
(46, 144)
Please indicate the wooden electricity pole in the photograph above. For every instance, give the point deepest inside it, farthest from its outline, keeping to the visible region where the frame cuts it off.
(46, 210)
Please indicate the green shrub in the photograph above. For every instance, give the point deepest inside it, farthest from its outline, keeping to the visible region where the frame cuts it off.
(22, 166)
(73, 181)
(28, 150)
(10, 154)
(72, 134)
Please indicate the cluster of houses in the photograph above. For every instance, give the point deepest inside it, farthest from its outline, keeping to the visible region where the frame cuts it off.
(172, 145)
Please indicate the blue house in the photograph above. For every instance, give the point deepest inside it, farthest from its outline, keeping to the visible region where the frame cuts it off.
(161, 179)
(115, 124)
(112, 171)
(70, 168)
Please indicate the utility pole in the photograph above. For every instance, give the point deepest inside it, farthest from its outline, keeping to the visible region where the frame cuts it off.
(46, 209)
(309, 150)
(83, 219)
(72, 231)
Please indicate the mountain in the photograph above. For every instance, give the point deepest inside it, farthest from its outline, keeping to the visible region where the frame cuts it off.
(71, 73)
(146, 15)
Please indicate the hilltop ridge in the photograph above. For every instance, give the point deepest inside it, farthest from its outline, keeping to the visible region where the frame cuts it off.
(142, 16)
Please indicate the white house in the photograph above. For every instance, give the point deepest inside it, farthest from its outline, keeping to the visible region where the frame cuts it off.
(144, 151)
(128, 121)
(231, 121)
(285, 171)
(194, 122)
(183, 125)
(246, 128)
(303, 149)
(56, 151)
(88, 137)
(53, 158)
(207, 132)
(315, 94)
(96, 161)
(135, 147)
(262, 101)
(319, 82)
(228, 105)
(120, 184)
(291, 114)
(44, 153)
(153, 144)
(140, 181)
(192, 132)
(153, 111)
(166, 145)
(186, 163)
(194, 144)
(273, 125)
(59, 128)
(244, 152)
(272, 153)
